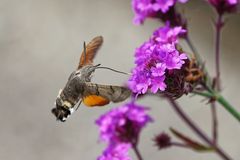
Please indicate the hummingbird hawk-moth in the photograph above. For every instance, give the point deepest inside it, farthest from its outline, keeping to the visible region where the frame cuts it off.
(80, 89)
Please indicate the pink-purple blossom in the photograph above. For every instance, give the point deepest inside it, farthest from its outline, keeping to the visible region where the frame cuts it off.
(116, 152)
(150, 8)
(120, 129)
(154, 58)
(123, 124)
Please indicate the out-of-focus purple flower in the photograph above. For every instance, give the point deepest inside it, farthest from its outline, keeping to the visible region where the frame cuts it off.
(116, 152)
(123, 124)
(120, 128)
(162, 140)
(159, 70)
(154, 58)
(223, 6)
(174, 17)
(151, 8)
(168, 35)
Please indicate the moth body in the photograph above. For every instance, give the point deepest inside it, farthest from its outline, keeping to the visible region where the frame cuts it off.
(80, 89)
(72, 92)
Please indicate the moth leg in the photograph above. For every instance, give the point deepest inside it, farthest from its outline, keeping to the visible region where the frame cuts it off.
(78, 105)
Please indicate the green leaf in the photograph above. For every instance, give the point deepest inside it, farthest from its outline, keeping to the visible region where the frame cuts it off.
(196, 146)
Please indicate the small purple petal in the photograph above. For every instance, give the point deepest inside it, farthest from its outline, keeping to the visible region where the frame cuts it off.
(159, 70)
(149, 8)
(158, 84)
(121, 118)
(116, 152)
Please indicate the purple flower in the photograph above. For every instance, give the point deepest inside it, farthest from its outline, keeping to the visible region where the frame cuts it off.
(123, 124)
(163, 140)
(175, 60)
(168, 35)
(223, 6)
(120, 128)
(159, 70)
(116, 152)
(154, 57)
(158, 84)
(151, 8)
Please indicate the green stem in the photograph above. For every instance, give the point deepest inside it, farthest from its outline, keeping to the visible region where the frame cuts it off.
(228, 107)
(220, 99)
(204, 94)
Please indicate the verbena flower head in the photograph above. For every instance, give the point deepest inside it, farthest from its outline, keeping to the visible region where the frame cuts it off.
(150, 8)
(123, 124)
(162, 140)
(116, 152)
(223, 6)
(155, 58)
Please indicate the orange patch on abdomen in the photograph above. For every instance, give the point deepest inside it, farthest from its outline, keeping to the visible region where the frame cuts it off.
(94, 100)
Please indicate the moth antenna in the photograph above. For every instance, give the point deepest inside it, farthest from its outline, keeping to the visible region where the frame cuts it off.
(114, 70)
(84, 50)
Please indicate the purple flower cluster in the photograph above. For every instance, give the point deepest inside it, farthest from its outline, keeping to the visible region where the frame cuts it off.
(149, 8)
(154, 57)
(116, 152)
(223, 6)
(120, 128)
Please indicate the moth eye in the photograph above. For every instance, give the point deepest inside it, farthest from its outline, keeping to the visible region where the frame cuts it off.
(77, 73)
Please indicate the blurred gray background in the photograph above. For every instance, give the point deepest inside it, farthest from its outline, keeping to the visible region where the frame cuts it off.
(40, 44)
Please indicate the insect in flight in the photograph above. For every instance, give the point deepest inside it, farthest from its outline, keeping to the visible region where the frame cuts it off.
(80, 89)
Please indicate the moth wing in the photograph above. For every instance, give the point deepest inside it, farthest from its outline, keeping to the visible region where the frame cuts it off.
(106, 92)
(91, 50)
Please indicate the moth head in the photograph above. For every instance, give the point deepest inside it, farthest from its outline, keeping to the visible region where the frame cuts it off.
(61, 113)
(87, 71)
(62, 109)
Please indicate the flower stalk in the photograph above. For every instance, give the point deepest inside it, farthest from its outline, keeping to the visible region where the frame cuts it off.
(208, 85)
(197, 130)
(221, 100)
(218, 27)
(214, 122)
(228, 107)
(137, 152)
